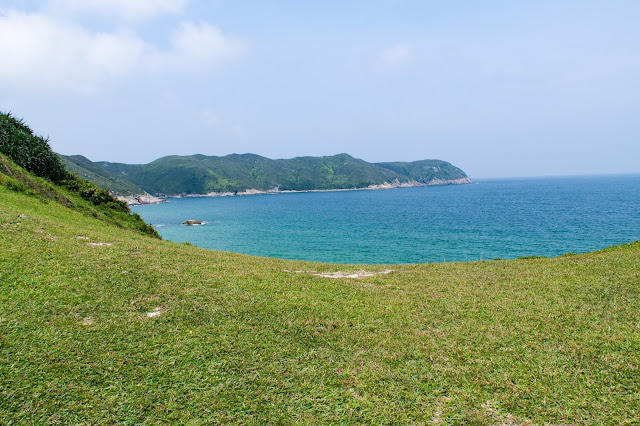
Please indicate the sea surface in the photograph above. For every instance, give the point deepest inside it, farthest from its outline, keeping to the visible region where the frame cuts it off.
(489, 219)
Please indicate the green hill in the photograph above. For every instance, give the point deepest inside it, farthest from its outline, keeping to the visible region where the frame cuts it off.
(86, 169)
(199, 174)
(102, 324)
(426, 171)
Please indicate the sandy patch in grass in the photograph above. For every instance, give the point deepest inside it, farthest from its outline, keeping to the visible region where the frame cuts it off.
(359, 274)
(45, 235)
(502, 419)
(341, 274)
(156, 312)
(11, 224)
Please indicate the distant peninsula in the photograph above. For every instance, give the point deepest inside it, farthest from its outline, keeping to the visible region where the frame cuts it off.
(240, 174)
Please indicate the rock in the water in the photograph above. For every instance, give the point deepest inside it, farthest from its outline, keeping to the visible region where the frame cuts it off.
(193, 222)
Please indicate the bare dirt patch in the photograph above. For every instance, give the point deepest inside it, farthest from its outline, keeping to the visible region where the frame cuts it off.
(342, 274)
(156, 312)
(45, 234)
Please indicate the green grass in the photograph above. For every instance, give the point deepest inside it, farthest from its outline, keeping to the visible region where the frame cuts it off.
(241, 339)
(28, 165)
(77, 194)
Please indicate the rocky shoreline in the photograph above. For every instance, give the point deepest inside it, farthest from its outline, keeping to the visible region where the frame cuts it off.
(150, 199)
(137, 200)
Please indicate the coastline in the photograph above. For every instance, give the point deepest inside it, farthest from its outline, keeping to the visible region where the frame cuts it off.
(150, 199)
(138, 200)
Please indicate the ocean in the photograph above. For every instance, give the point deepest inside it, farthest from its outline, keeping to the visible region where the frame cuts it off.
(489, 219)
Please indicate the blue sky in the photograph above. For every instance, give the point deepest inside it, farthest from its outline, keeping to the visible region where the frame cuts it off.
(498, 88)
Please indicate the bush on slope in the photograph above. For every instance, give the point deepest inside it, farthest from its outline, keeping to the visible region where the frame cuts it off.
(29, 165)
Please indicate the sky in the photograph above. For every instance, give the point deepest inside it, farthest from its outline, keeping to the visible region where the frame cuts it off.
(498, 88)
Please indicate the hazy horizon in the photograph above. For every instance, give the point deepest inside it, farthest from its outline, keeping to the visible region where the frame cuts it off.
(498, 89)
(383, 161)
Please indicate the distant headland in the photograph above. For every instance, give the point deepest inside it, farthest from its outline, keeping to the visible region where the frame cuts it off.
(244, 174)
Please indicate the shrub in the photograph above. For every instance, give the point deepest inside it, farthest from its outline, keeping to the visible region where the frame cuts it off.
(16, 185)
(30, 152)
(95, 195)
(34, 154)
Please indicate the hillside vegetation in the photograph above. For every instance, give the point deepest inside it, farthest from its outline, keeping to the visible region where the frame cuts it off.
(28, 165)
(199, 174)
(100, 324)
(86, 169)
(425, 171)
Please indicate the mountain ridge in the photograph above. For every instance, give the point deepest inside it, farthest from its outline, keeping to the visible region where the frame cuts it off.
(199, 174)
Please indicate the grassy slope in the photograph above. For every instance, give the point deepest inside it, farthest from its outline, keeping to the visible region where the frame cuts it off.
(241, 339)
(28, 165)
(199, 174)
(13, 176)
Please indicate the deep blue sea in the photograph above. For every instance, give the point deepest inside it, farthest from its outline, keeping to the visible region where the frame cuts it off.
(506, 218)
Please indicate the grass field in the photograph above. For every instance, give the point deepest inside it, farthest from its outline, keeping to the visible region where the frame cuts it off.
(138, 330)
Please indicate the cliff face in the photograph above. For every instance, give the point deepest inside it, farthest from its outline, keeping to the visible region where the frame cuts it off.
(199, 174)
(460, 181)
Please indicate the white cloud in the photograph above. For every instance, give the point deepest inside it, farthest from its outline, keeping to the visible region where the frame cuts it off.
(127, 9)
(396, 55)
(201, 45)
(41, 53)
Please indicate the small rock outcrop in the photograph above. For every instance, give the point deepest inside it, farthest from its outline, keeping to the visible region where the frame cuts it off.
(193, 222)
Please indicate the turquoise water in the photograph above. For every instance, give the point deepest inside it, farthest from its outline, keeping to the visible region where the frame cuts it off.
(485, 220)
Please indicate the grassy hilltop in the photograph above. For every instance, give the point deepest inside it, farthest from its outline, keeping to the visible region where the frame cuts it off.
(102, 323)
